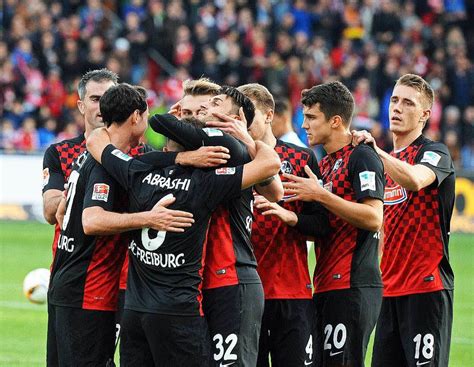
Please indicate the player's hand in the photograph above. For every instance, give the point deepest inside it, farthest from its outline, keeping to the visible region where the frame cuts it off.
(175, 110)
(235, 127)
(363, 136)
(305, 189)
(268, 208)
(204, 157)
(164, 219)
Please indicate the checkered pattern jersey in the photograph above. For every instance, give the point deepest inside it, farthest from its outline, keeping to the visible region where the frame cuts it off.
(281, 250)
(348, 256)
(416, 229)
(58, 159)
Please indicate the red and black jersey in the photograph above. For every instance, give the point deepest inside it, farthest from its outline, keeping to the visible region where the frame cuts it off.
(281, 250)
(85, 271)
(417, 223)
(57, 165)
(165, 270)
(348, 256)
(230, 259)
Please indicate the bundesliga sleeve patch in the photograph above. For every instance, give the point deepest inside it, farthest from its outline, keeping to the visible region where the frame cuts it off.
(431, 158)
(45, 176)
(210, 131)
(225, 171)
(367, 180)
(101, 192)
(121, 155)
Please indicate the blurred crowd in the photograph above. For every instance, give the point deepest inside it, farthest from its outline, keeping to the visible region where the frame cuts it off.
(287, 45)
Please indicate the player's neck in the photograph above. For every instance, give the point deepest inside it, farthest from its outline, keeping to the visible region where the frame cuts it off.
(337, 141)
(401, 141)
(269, 138)
(120, 138)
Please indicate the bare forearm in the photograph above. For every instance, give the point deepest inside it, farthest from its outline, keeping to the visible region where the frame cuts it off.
(50, 206)
(401, 172)
(359, 215)
(108, 223)
(273, 191)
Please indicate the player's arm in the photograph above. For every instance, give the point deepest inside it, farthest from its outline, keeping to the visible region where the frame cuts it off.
(265, 164)
(53, 184)
(98, 217)
(192, 137)
(367, 212)
(270, 188)
(411, 177)
(98, 221)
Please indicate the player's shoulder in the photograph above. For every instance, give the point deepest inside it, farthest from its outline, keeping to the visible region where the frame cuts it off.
(364, 152)
(428, 144)
(78, 140)
(290, 147)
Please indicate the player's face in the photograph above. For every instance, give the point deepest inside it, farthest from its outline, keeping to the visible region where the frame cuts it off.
(220, 104)
(406, 110)
(190, 105)
(142, 123)
(89, 106)
(316, 125)
(259, 124)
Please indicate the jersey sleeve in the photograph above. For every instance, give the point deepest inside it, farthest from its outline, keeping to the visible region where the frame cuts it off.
(436, 157)
(53, 176)
(221, 184)
(192, 137)
(313, 218)
(366, 173)
(100, 189)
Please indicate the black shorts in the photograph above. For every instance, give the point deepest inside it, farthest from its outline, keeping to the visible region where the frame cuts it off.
(234, 315)
(344, 321)
(150, 339)
(78, 337)
(414, 330)
(286, 334)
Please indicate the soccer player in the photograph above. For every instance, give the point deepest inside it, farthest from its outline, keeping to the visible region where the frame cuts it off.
(85, 272)
(58, 158)
(414, 327)
(163, 319)
(347, 280)
(233, 296)
(279, 235)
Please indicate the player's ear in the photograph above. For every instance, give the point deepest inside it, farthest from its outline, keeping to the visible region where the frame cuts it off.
(269, 117)
(80, 106)
(336, 121)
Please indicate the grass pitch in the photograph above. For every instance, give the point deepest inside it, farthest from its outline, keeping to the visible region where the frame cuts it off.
(25, 246)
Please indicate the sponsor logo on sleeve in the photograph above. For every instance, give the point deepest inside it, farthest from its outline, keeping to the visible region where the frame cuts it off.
(210, 131)
(121, 155)
(431, 158)
(101, 192)
(225, 171)
(45, 176)
(367, 180)
(394, 195)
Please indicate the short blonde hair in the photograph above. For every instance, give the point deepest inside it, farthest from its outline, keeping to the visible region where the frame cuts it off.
(260, 94)
(200, 87)
(421, 85)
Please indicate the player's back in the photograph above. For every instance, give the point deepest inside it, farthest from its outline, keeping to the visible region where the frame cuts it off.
(85, 270)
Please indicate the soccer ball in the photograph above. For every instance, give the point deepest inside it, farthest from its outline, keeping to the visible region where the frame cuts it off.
(35, 285)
